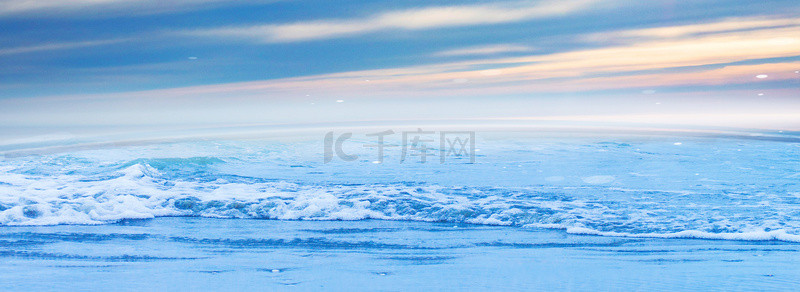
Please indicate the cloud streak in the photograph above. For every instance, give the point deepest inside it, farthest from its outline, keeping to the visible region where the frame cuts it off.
(730, 25)
(411, 19)
(58, 46)
(72, 7)
(650, 60)
(484, 50)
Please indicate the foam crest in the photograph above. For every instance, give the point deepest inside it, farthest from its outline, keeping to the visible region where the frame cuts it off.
(90, 188)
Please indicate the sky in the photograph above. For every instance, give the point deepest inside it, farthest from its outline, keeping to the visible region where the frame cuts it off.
(71, 63)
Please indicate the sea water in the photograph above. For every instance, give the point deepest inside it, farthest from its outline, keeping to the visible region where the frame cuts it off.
(568, 212)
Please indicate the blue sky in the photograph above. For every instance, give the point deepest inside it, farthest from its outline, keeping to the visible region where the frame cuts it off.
(290, 53)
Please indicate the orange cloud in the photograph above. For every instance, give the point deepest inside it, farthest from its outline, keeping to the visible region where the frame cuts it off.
(658, 59)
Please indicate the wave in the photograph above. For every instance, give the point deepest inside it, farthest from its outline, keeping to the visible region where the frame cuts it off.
(760, 235)
(139, 190)
(659, 189)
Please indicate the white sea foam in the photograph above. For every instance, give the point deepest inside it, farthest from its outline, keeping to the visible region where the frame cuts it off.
(761, 235)
(221, 181)
(598, 179)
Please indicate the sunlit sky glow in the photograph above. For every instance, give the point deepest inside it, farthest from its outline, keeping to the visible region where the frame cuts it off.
(126, 62)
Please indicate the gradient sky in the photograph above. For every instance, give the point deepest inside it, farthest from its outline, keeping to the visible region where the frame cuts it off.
(126, 62)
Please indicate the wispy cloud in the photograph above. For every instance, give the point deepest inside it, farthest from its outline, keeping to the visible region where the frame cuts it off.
(630, 63)
(694, 61)
(412, 19)
(21, 6)
(69, 7)
(682, 31)
(58, 46)
(485, 50)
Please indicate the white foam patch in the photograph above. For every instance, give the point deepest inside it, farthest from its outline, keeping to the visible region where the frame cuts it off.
(599, 179)
(779, 235)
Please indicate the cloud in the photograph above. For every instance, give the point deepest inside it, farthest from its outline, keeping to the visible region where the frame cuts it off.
(412, 19)
(682, 31)
(58, 46)
(709, 67)
(485, 50)
(652, 61)
(93, 7)
(21, 6)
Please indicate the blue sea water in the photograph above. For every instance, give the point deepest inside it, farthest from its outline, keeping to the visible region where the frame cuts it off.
(551, 212)
(193, 253)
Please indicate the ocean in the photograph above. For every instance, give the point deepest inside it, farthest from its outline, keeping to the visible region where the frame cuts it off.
(512, 211)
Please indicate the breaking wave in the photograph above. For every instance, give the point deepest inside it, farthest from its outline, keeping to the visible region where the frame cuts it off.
(85, 189)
